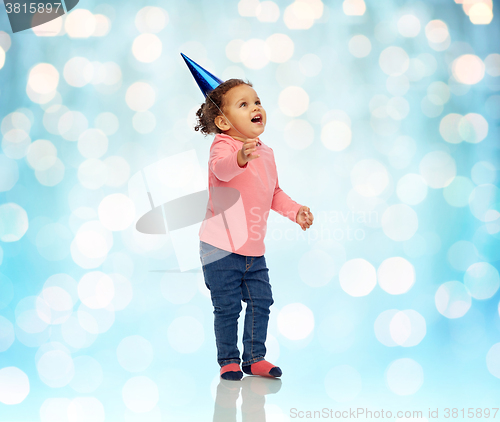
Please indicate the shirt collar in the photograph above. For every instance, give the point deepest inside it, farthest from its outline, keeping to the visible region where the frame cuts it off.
(259, 142)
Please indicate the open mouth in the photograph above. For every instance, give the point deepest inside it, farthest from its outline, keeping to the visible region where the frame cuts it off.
(257, 119)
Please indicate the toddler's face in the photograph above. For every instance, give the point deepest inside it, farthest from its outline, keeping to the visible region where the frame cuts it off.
(245, 112)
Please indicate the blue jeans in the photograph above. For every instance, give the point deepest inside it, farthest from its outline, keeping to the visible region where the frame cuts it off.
(232, 278)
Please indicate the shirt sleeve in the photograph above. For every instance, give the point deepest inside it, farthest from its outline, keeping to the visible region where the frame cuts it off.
(223, 162)
(284, 205)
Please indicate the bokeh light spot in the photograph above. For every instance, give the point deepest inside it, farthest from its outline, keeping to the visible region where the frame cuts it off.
(468, 69)
(140, 96)
(80, 23)
(357, 277)
(295, 321)
(281, 48)
(360, 46)
(336, 135)
(93, 143)
(457, 192)
(13, 222)
(369, 177)
(482, 280)
(14, 385)
(354, 7)
(438, 169)
(96, 290)
(394, 61)
(452, 299)
(43, 78)
(9, 173)
(293, 101)
(147, 48)
(7, 335)
(396, 275)
(493, 360)
(411, 189)
(151, 19)
(409, 26)
(56, 368)
(404, 377)
(116, 212)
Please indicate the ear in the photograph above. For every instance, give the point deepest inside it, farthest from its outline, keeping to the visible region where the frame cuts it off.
(222, 123)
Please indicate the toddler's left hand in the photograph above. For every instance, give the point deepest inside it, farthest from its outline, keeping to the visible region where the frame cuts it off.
(304, 217)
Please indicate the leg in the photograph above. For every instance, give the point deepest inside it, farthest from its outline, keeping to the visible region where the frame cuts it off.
(257, 294)
(223, 278)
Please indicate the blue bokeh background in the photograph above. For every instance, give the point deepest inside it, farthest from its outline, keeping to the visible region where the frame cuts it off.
(384, 120)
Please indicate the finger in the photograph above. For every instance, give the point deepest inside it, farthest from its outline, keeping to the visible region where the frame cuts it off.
(249, 152)
(251, 143)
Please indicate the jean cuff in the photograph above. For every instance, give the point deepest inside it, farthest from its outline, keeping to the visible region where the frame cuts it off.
(254, 360)
(227, 362)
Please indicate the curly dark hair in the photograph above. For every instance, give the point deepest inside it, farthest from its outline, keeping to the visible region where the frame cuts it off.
(208, 111)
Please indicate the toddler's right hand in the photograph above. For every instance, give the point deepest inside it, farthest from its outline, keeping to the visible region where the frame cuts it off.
(249, 146)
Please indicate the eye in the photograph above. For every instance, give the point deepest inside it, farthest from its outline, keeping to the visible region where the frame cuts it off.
(257, 102)
(243, 104)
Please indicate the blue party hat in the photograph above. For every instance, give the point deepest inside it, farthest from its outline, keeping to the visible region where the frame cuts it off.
(205, 80)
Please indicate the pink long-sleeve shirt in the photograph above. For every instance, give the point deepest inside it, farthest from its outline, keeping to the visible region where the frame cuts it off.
(240, 198)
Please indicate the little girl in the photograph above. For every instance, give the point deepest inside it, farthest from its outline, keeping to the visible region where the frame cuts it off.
(232, 253)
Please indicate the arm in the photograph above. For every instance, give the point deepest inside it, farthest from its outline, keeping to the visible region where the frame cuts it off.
(224, 162)
(284, 205)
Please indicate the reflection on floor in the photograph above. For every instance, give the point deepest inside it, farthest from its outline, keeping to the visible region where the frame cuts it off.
(253, 391)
